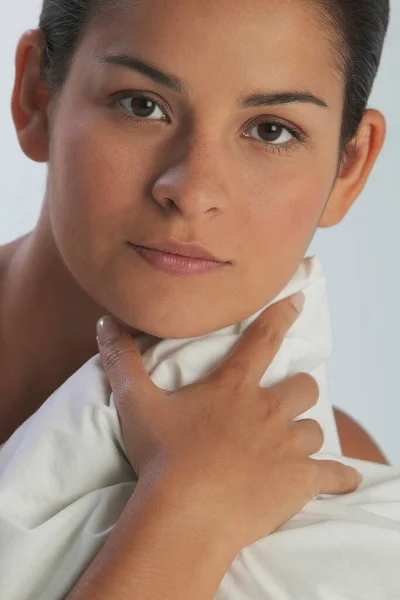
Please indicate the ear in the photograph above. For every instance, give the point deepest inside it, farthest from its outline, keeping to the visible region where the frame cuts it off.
(363, 151)
(30, 97)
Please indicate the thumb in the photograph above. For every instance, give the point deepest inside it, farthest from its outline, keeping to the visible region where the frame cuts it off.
(123, 364)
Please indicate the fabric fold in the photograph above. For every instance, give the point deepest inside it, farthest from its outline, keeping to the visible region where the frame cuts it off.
(65, 479)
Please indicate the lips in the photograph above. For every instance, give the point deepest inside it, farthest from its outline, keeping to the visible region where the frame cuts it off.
(175, 264)
(172, 246)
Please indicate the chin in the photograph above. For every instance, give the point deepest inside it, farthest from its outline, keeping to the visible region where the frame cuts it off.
(164, 307)
(179, 323)
(172, 330)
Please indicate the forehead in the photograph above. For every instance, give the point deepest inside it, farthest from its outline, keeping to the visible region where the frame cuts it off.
(225, 45)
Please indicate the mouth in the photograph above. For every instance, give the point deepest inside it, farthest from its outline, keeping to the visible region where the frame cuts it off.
(176, 247)
(177, 264)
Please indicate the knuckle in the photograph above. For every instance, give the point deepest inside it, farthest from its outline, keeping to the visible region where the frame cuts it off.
(239, 381)
(270, 332)
(114, 354)
(309, 383)
(319, 434)
(275, 406)
(315, 427)
(307, 433)
(236, 378)
(113, 357)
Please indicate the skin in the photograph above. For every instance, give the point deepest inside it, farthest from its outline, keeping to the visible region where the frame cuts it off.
(204, 174)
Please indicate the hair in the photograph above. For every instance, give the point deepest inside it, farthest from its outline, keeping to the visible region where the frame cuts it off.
(356, 28)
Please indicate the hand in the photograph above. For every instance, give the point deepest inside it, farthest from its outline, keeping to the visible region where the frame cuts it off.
(224, 447)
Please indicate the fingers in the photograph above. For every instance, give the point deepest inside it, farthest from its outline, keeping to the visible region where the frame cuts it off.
(259, 344)
(309, 435)
(297, 394)
(336, 478)
(123, 363)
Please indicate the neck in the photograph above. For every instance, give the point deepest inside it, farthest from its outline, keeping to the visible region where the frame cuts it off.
(47, 321)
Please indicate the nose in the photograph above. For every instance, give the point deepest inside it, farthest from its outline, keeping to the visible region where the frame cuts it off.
(195, 184)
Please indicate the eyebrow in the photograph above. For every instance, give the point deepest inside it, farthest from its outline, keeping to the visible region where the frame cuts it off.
(177, 85)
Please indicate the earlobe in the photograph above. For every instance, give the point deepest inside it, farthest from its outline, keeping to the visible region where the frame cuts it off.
(363, 151)
(30, 98)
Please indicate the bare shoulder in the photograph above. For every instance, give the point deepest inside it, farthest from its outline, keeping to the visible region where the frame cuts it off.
(355, 441)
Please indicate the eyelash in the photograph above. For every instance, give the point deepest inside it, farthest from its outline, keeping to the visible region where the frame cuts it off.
(298, 135)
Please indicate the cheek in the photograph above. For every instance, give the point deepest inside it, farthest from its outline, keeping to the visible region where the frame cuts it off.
(282, 223)
(95, 184)
(286, 214)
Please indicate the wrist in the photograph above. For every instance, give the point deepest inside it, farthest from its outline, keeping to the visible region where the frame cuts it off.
(183, 510)
(161, 548)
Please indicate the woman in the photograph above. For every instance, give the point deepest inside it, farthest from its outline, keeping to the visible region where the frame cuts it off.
(52, 281)
(191, 165)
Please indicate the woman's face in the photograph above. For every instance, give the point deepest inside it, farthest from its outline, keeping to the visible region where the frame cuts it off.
(193, 165)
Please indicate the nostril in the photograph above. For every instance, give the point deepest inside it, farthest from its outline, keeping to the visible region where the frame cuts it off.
(171, 204)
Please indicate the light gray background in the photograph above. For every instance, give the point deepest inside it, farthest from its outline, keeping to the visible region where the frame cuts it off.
(360, 255)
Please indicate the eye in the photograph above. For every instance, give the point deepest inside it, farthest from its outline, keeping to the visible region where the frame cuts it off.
(143, 107)
(274, 133)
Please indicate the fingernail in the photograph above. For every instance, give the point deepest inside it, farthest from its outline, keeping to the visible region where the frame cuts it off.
(107, 329)
(298, 301)
(360, 478)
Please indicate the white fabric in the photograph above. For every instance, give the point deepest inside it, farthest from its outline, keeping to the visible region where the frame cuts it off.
(65, 479)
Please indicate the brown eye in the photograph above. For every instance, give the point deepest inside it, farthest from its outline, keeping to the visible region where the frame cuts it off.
(272, 133)
(143, 107)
